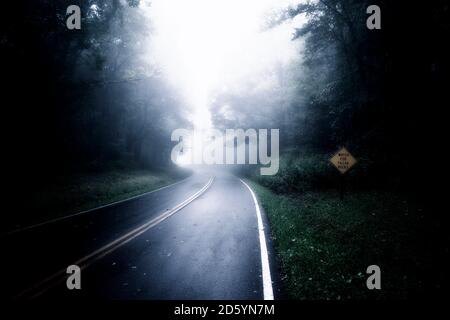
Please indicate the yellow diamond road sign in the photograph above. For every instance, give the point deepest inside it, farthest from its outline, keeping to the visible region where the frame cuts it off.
(343, 160)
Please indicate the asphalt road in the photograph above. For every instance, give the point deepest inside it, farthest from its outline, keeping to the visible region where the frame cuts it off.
(197, 239)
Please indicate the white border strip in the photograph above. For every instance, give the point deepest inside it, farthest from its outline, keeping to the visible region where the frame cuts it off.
(267, 279)
(88, 210)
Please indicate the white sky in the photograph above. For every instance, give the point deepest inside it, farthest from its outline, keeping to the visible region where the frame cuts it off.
(207, 46)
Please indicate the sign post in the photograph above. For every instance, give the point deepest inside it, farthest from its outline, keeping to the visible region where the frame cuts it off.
(343, 161)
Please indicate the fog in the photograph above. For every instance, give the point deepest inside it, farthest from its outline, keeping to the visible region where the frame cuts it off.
(206, 48)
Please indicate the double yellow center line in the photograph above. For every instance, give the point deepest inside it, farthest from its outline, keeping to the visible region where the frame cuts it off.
(46, 284)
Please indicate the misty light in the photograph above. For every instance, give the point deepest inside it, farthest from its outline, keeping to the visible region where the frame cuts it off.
(204, 47)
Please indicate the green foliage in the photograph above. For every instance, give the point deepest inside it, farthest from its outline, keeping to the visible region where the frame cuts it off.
(300, 172)
(343, 68)
(96, 97)
(325, 245)
(68, 194)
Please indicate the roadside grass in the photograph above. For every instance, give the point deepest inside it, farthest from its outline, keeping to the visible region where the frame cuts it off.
(68, 194)
(325, 245)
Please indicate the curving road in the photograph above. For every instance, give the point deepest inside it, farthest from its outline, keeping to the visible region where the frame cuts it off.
(197, 239)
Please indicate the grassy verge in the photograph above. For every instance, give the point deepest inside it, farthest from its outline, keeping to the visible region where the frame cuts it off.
(73, 193)
(325, 245)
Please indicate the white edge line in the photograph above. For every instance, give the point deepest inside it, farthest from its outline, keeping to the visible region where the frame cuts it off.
(267, 279)
(88, 210)
(115, 244)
